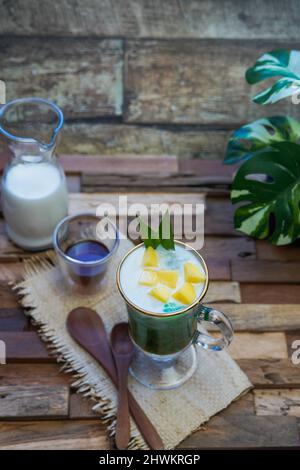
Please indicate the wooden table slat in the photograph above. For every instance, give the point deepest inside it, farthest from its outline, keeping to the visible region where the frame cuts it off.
(277, 402)
(262, 293)
(170, 20)
(248, 432)
(33, 374)
(56, 434)
(13, 319)
(25, 346)
(81, 408)
(271, 373)
(265, 271)
(33, 401)
(262, 317)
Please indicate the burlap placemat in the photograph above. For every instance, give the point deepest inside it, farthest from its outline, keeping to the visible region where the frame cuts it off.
(175, 413)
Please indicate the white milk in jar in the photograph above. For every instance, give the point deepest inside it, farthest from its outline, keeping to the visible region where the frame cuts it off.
(34, 200)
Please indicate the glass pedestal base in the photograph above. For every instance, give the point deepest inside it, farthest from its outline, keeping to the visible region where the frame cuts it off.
(163, 372)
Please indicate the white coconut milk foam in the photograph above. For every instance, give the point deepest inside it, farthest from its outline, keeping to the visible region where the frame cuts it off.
(138, 294)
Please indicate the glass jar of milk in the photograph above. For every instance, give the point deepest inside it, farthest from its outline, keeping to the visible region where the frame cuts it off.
(34, 192)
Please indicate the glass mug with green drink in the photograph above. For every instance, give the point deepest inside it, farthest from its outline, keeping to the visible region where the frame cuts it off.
(163, 291)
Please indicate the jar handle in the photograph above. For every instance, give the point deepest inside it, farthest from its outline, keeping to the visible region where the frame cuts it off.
(221, 321)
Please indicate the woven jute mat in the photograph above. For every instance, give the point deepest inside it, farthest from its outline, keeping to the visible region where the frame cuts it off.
(175, 413)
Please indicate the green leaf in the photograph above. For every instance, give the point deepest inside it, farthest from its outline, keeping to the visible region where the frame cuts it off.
(165, 230)
(250, 139)
(149, 236)
(269, 185)
(278, 63)
(164, 236)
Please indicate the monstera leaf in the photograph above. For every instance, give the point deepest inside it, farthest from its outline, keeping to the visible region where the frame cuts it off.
(278, 63)
(269, 185)
(256, 136)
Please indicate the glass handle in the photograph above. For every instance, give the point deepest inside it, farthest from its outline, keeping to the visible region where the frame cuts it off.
(221, 321)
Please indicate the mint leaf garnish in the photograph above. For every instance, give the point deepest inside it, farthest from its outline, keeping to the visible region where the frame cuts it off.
(164, 236)
(149, 236)
(165, 231)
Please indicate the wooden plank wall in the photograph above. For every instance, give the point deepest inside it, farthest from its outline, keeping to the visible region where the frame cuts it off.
(141, 77)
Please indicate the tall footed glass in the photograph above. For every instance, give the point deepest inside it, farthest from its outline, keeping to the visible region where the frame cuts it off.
(34, 192)
(166, 342)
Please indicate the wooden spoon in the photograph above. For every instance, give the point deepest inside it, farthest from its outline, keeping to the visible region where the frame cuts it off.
(123, 350)
(87, 328)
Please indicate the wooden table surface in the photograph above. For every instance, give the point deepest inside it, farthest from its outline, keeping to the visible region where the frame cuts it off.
(255, 283)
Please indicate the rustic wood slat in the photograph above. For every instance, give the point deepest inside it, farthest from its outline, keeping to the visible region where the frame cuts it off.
(223, 292)
(258, 346)
(270, 293)
(8, 298)
(277, 402)
(25, 346)
(58, 435)
(33, 374)
(204, 167)
(11, 271)
(113, 138)
(271, 373)
(33, 401)
(219, 217)
(88, 202)
(81, 408)
(227, 431)
(265, 271)
(84, 76)
(227, 247)
(92, 183)
(139, 18)
(119, 164)
(73, 183)
(13, 319)
(219, 270)
(165, 82)
(243, 405)
(262, 317)
(266, 251)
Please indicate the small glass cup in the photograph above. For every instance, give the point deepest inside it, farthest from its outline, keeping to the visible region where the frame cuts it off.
(84, 244)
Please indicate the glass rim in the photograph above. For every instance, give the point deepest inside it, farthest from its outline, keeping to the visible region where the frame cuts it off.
(29, 140)
(69, 218)
(161, 314)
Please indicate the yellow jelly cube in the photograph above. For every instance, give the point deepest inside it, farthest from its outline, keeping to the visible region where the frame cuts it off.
(148, 278)
(186, 294)
(192, 273)
(150, 257)
(161, 293)
(168, 277)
